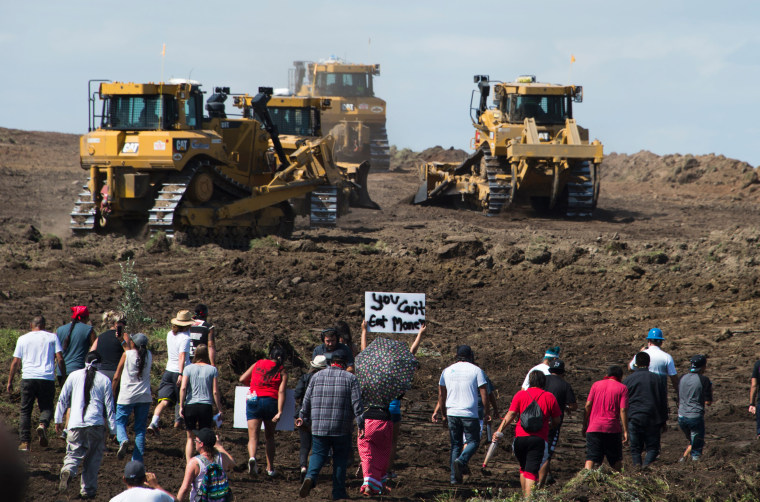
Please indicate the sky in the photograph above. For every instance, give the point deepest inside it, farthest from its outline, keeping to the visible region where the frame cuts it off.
(671, 77)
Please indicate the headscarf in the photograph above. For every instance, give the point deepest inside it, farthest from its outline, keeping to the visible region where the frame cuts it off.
(79, 312)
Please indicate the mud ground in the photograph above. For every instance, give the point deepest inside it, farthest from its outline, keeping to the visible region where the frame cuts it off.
(674, 244)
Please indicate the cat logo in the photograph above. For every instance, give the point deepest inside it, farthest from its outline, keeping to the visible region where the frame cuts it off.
(347, 107)
(130, 147)
(180, 145)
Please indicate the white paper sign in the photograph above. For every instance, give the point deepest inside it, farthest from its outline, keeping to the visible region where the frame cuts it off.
(394, 312)
(285, 423)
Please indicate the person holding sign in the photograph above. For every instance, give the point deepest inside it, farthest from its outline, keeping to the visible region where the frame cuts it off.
(265, 402)
(331, 345)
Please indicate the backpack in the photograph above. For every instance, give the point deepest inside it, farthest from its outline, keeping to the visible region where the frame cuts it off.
(215, 486)
(532, 418)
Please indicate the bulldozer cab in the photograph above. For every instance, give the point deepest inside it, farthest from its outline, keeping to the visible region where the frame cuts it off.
(150, 107)
(333, 77)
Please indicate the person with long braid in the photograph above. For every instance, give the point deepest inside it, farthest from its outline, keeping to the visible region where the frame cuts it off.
(76, 338)
(132, 378)
(88, 394)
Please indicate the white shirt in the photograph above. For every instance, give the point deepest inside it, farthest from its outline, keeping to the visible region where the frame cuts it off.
(462, 380)
(37, 350)
(133, 390)
(72, 396)
(542, 367)
(142, 494)
(175, 344)
(660, 362)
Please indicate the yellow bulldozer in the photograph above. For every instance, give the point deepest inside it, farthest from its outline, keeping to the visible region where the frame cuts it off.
(528, 148)
(356, 118)
(154, 158)
(298, 121)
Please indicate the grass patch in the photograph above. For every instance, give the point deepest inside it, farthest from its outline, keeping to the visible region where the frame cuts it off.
(377, 247)
(269, 242)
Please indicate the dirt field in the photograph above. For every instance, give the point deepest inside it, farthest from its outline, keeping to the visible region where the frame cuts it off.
(675, 243)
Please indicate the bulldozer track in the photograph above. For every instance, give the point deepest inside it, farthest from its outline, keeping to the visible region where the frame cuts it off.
(380, 152)
(173, 188)
(499, 191)
(83, 215)
(580, 190)
(324, 207)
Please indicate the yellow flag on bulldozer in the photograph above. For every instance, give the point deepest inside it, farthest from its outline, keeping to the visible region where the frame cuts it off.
(572, 58)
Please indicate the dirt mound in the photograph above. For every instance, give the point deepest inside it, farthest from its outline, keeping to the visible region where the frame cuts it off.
(710, 175)
(408, 160)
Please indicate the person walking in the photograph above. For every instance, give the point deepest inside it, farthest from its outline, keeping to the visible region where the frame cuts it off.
(605, 422)
(202, 332)
(695, 392)
(141, 486)
(550, 355)
(394, 408)
(459, 387)
(266, 399)
(563, 393)
(754, 399)
(88, 395)
(111, 343)
(531, 434)
(76, 338)
(177, 351)
(331, 404)
(660, 362)
(35, 354)
(132, 377)
(211, 457)
(304, 432)
(647, 411)
(331, 346)
(198, 394)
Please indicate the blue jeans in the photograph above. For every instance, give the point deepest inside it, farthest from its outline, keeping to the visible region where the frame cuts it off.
(644, 436)
(694, 430)
(141, 421)
(470, 427)
(320, 452)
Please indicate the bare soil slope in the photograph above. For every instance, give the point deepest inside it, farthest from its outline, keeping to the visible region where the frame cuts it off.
(673, 244)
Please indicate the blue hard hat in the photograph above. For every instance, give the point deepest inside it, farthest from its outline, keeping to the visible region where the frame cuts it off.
(655, 334)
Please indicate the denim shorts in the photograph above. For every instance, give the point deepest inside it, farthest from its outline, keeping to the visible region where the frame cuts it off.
(262, 408)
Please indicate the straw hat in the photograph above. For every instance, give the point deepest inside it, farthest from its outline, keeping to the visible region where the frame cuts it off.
(184, 318)
(319, 362)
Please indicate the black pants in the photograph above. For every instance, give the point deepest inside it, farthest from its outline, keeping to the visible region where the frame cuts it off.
(644, 436)
(41, 390)
(305, 435)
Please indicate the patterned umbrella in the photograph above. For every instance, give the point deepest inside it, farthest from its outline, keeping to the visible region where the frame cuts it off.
(384, 369)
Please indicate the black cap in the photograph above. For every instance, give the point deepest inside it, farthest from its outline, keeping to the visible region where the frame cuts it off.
(206, 436)
(134, 470)
(698, 362)
(464, 352)
(557, 366)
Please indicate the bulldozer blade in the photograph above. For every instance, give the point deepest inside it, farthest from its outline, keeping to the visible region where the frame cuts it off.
(422, 194)
(360, 195)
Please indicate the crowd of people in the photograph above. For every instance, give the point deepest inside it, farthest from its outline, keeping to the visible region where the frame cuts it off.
(105, 382)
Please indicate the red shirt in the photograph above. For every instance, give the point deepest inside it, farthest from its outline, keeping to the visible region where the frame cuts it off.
(607, 398)
(546, 401)
(263, 387)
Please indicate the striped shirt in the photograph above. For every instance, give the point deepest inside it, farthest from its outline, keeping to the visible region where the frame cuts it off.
(332, 401)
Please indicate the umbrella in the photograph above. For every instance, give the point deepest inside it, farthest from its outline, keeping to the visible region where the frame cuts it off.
(384, 369)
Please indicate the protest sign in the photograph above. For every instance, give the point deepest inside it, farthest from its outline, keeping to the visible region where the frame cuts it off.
(394, 312)
(285, 423)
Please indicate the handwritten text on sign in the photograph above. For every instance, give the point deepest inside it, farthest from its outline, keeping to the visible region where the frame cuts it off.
(394, 312)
